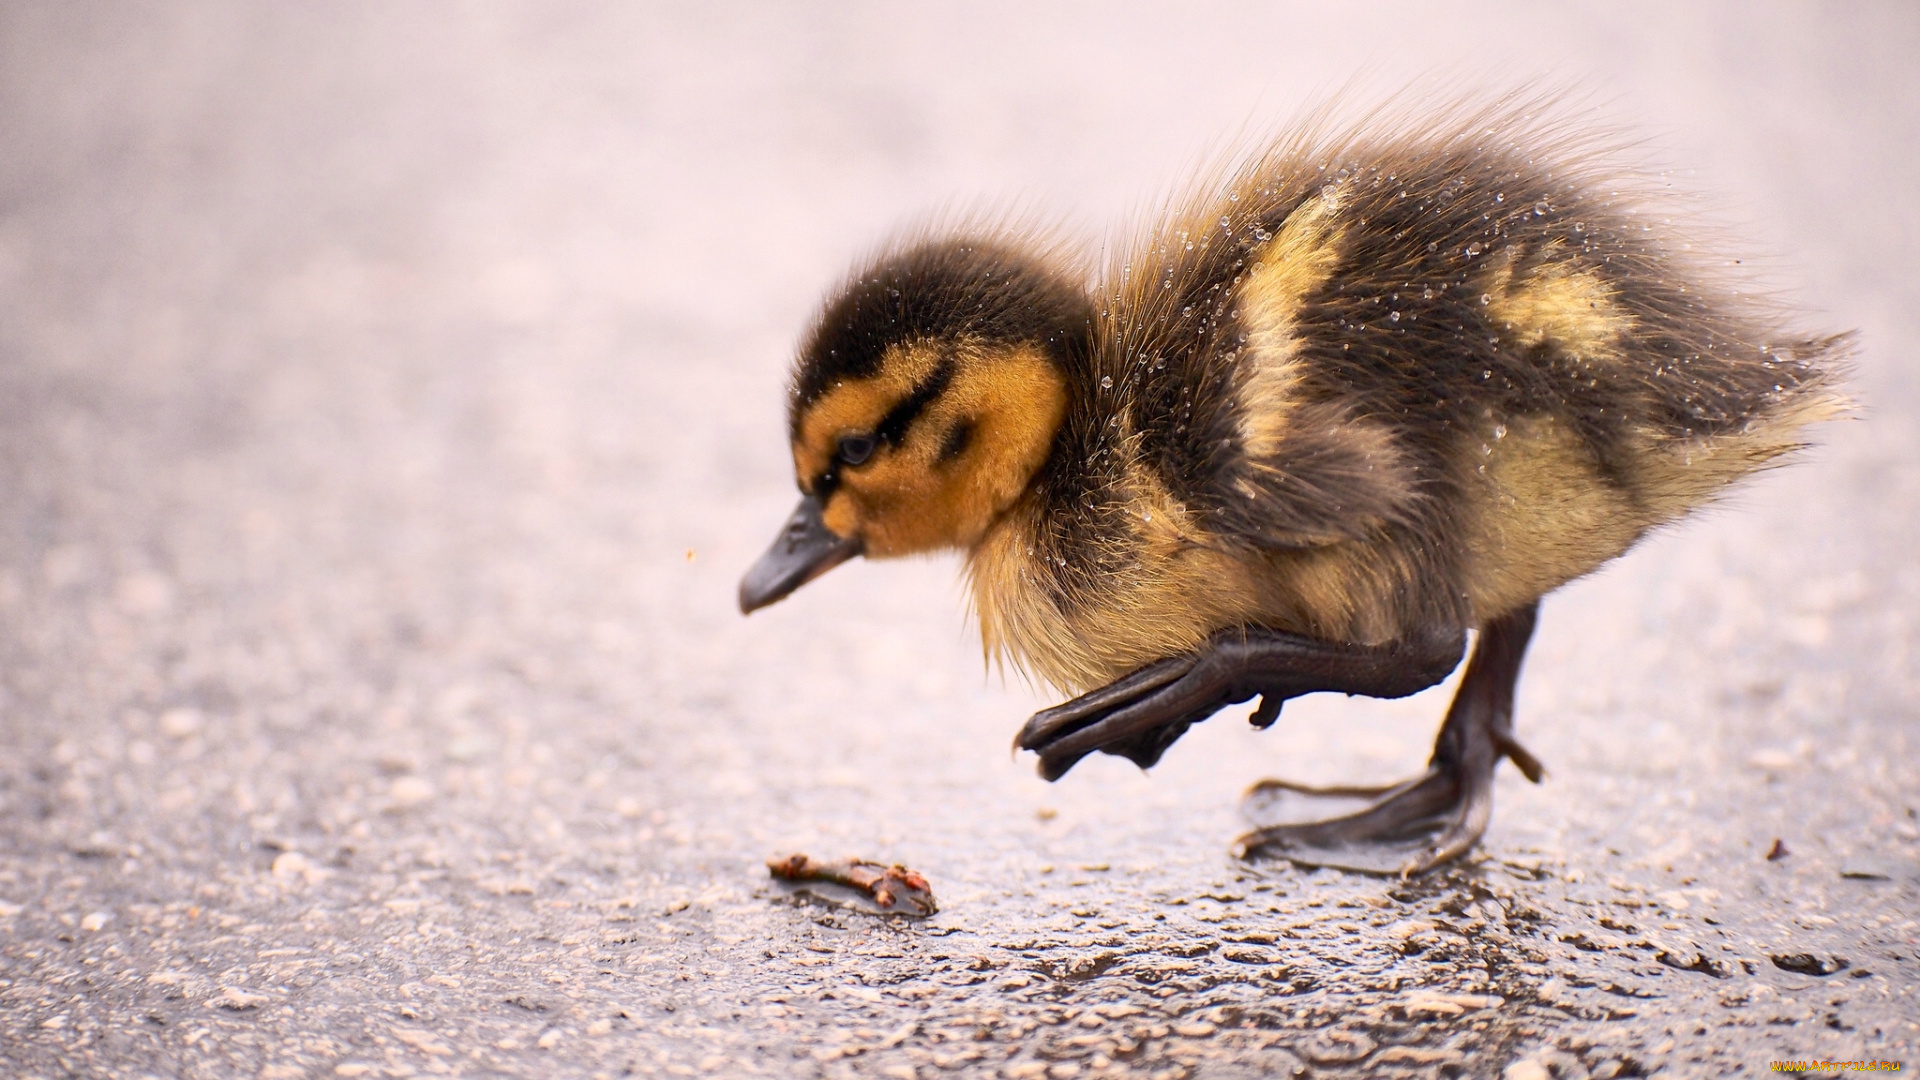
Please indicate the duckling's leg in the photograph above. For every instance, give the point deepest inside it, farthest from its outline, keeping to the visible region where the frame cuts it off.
(1139, 716)
(1424, 822)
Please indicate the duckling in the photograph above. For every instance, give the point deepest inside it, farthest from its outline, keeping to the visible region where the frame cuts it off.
(1378, 389)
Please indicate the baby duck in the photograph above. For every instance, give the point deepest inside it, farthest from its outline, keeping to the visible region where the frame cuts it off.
(1388, 386)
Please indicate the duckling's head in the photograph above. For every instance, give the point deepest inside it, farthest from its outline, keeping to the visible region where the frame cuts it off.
(926, 397)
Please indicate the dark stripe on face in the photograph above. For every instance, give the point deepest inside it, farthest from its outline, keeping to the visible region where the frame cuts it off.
(825, 483)
(893, 427)
(956, 441)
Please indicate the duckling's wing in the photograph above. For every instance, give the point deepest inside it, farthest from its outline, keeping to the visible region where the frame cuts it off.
(1315, 471)
(1333, 475)
(1235, 410)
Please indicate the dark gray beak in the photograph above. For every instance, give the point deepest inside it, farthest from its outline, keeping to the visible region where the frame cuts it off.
(804, 550)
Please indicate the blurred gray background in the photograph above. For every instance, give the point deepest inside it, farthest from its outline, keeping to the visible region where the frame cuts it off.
(390, 397)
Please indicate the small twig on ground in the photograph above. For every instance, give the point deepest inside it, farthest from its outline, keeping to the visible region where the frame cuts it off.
(895, 888)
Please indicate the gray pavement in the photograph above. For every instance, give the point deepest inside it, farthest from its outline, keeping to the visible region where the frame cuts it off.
(390, 399)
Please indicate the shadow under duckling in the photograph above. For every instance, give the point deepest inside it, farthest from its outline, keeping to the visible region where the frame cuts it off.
(1388, 386)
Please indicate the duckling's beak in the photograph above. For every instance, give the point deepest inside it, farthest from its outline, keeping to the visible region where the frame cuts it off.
(804, 550)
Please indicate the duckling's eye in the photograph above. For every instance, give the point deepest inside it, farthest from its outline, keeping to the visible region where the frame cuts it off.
(854, 449)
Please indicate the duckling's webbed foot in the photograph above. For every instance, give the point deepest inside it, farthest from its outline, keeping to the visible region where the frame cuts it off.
(1141, 715)
(1419, 824)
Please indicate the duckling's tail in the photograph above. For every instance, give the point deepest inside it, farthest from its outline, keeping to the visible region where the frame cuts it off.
(1687, 469)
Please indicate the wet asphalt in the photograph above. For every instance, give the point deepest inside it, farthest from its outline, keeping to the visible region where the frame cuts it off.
(391, 398)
